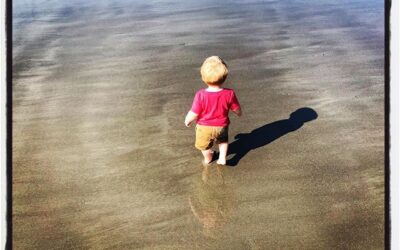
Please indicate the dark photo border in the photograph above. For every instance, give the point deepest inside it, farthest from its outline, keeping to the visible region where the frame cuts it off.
(9, 123)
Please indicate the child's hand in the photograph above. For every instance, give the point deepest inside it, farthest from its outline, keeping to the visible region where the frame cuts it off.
(190, 117)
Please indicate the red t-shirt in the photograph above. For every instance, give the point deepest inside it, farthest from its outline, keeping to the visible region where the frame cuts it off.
(212, 108)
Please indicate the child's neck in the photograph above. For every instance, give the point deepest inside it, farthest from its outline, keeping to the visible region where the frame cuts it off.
(214, 88)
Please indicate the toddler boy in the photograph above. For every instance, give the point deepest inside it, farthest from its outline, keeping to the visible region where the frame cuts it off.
(210, 110)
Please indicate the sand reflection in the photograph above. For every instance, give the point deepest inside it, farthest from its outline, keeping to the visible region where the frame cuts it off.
(212, 200)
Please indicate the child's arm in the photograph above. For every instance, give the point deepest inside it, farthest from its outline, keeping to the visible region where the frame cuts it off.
(235, 106)
(190, 117)
(238, 112)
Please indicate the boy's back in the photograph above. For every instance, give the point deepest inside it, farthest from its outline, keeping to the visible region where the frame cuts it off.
(212, 107)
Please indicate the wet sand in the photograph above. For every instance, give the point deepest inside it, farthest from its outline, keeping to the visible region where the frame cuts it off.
(102, 159)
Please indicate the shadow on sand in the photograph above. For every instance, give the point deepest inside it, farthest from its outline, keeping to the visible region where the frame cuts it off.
(266, 134)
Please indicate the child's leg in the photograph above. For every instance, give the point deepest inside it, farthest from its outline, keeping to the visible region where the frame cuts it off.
(208, 154)
(223, 150)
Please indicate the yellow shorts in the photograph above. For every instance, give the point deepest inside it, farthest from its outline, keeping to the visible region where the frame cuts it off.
(206, 135)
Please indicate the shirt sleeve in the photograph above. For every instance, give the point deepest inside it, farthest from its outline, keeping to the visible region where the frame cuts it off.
(234, 102)
(196, 106)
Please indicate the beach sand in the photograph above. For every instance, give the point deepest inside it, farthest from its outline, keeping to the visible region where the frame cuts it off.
(101, 156)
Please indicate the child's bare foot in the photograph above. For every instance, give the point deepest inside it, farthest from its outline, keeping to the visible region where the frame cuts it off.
(221, 162)
(208, 157)
(223, 149)
(205, 164)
